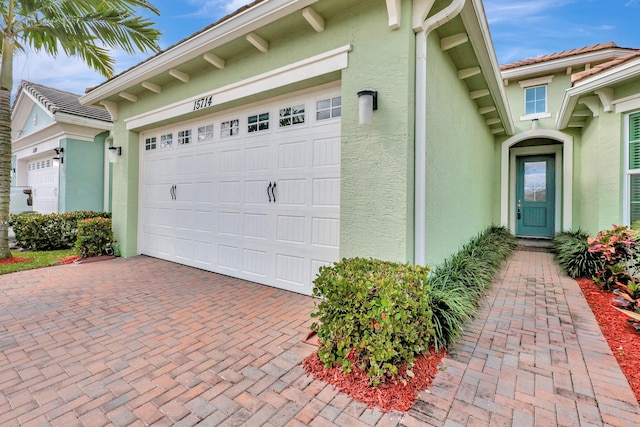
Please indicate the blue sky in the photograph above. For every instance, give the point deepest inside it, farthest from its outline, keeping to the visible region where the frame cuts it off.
(520, 29)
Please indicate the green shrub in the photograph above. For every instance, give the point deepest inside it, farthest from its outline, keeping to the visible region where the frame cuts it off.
(572, 254)
(618, 250)
(94, 237)
(375, 313)
(460, 282)
(43, 232)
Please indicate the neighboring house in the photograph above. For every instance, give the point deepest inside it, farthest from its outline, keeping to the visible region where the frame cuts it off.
(58, 149)
(242, 150)
(575, 157)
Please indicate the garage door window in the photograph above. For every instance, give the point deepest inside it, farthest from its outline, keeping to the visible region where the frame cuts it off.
(329, 108)
(150, 143)
(205, 133)
(258, 122)
(230, 128)
(291, 116)
(184, 137)
(166, 140)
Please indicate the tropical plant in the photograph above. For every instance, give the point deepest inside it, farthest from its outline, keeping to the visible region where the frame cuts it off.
(573, 255)
(460, 282)
(86, 29)
(617, 248)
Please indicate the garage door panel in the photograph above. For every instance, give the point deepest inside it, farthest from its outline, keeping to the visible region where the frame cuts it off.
(231, 192)
(159, 217)
(291, 269)
(231, 161)
(203, 221)
(256, 226)
(291, 229)
(257, 192)
(291, 192)
(326, 192)
(229, 258)
(292, 155)
(203, 254)
(256, 159)
(230, 223)
(254, 262)
(205, 164)
(185, 220)
(325, 232)
(326, 152)
(184, 248)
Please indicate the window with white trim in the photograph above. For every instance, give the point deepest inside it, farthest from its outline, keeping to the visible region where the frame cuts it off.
(258, 122)
(150, 143)
(205, 133)
(230, 128)
(166, 140)
(329, 108)
(633, 167)
(535, 100)
(184, 137)
(291, 116)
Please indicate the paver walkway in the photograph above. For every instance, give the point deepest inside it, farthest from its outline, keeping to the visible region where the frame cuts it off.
(146, 342)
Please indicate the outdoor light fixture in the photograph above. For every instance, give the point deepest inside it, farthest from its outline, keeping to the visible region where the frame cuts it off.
(368, 103)
(535, 124)
(114, 152)
(58, 157)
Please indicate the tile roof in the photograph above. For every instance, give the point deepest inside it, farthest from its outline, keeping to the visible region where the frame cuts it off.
(56, 100)
(560, 55)
(576, 77)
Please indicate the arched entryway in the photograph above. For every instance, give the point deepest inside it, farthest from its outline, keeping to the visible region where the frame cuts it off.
(542, 158)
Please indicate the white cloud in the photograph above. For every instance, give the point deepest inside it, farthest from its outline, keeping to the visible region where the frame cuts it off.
(509, 11)
(215, 9)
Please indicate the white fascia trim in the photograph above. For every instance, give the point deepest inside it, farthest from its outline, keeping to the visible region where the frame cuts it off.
(43, 145)
(607, 78)
(539, 81)
(333, 60)
(626, 104)
(238, 26)
(40, 134)
(563, 63)
(83, 121)
(475, 22)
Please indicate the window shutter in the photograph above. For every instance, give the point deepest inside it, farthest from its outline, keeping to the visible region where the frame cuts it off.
(634, 141)
(635, 198)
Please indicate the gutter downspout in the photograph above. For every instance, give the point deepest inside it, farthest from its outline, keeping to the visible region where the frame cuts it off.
(423, 29)
(106, 168)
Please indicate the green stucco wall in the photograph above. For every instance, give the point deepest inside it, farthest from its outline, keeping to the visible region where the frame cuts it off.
(461, 182)
(599, 181)
(82, 175)
(377, 160)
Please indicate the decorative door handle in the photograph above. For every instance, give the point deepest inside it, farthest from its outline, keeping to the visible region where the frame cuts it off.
(269, 191)
(273, 191)
(171, 192)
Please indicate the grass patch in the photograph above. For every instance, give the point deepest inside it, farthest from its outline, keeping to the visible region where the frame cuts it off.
(39, 259)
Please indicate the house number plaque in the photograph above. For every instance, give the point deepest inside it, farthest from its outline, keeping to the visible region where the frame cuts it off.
(201, 103)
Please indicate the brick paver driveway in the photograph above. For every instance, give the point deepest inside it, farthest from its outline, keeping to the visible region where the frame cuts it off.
(146, 342)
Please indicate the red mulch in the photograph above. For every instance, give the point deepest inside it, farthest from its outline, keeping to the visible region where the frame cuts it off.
(398, 393)
(69, 259)
(622, 338)
(15, 260)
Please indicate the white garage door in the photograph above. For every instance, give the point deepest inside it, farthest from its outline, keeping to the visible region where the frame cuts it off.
(252, 193)
(42, 177)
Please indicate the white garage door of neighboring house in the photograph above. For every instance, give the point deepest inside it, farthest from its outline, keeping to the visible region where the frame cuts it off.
(42, 177)
(253, 193)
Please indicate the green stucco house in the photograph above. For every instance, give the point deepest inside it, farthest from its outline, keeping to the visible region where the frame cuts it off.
(292, 133)
(59, 150)
(574, 159)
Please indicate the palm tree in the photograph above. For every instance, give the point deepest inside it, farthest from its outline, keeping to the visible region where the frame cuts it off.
(86, 29)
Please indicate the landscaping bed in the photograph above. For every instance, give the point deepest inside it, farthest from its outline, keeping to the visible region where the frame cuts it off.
(623, 340)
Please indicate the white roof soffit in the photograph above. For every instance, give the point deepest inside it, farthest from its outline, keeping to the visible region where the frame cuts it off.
(563, 63)
(237, 26)
(609, 77)
(475, 21)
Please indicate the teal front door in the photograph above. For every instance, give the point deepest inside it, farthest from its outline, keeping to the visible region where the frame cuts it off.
(535, 196)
